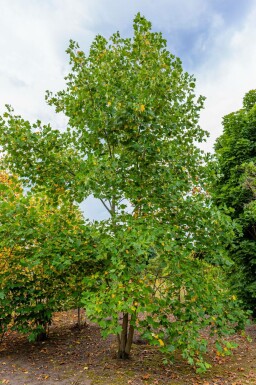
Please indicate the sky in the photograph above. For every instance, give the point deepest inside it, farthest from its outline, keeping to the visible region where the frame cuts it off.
(215, 39)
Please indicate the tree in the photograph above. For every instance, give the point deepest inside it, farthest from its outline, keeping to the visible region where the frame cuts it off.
(130, 141)
(41, 246)
(235, 187)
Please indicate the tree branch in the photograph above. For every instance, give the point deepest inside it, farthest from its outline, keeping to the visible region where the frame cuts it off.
(106, 207)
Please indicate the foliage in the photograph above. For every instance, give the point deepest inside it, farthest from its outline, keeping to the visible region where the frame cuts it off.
(169, 294)
(235, 187)
(41, 247)
(250, 177)
(130, 141)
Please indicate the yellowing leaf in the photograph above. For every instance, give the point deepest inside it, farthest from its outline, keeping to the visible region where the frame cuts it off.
(161, 342)
(142, 108)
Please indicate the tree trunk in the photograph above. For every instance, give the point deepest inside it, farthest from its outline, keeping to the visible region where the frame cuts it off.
(129, 338)
(43, 335)
(79, 318)
(126, 337)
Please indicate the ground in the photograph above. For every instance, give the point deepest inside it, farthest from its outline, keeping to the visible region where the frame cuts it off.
(80, 357)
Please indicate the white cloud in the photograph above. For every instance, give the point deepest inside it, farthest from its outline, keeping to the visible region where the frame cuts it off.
(33, 39)
(229, 73)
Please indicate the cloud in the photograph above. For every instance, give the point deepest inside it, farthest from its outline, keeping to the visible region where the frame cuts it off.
(215, 40)
(94, 209)
(228, 74)
(34, 36)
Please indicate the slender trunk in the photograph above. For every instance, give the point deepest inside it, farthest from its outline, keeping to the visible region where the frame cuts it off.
(79, 318)
(130, 337)
(43, 335)
(126, 338)
(123, 337)
(118, 344)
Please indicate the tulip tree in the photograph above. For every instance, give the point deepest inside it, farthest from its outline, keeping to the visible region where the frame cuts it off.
(130, 142)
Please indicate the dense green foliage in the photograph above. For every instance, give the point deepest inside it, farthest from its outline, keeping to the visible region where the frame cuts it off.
(235, 187)
(40, 261)
(130, 141)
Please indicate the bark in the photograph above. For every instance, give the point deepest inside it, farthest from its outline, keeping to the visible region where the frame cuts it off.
(42, 336)
(79, 318)
(129, 339)
(123, 337)
(126, 337)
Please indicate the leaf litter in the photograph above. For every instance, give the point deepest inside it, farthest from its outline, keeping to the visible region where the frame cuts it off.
(73, 356)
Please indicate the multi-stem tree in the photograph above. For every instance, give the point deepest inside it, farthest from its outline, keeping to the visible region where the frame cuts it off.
(130, 142)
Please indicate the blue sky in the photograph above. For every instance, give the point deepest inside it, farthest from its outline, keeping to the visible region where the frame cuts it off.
(215, 40)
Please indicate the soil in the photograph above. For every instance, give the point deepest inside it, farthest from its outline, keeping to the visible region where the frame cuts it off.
(73, 356)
